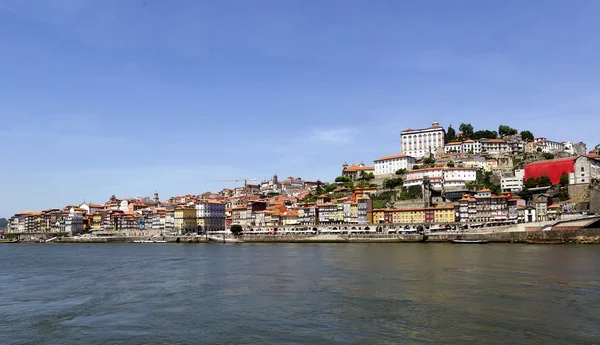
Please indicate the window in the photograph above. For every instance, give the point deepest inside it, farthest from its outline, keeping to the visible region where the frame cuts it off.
(582, 169)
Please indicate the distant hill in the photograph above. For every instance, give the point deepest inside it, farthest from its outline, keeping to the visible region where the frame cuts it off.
(3, 223)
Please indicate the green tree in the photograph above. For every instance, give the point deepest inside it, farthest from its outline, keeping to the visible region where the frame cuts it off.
(539, 149)
(547, 155)
(450, 134)
(428, 160)
(564, 180)
(531, 182)
(401, 171)
(342, 179)
(527, 135)
(415, 167)
(368, 176)
(506, 130)
(393, 183)
(544, 181)
(236, 229)
(466, 130)
(525, 194)
(484, 134)
(450, 164)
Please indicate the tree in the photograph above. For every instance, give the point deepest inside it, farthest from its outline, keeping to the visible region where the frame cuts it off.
(450, 164)
(401, 171)
(539, 149)
(544, 181)
(466, 130)
(531, 182)
(484, 134)
(450, 134)
(3, 223)
(547, 155)
(342, 179)
(428, 160)
(236, 229)
(504, 130)
(527, 135)
(564, 180)
(525, 194)
(368, 176)
(415, 167)
(393, 183)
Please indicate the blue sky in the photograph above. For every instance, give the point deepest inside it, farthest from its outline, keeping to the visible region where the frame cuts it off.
(128, 97)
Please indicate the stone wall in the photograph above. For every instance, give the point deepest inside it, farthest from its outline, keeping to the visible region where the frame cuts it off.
(579, 192)
(594, 191)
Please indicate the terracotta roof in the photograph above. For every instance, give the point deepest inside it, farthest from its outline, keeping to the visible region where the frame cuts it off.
(497, 141)
(555, 206)
(454, 143)
(354, 168)
(485, 190)
(402, 155)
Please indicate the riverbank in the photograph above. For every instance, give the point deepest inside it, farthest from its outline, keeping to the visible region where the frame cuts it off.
(588, 236)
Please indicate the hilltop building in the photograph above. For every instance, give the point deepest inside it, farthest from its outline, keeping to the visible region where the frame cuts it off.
(419, 143)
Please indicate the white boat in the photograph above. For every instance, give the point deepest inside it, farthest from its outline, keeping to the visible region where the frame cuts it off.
(150, 241)
(51, 239)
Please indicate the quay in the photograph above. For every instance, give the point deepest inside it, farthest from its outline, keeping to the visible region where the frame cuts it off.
(579, 230)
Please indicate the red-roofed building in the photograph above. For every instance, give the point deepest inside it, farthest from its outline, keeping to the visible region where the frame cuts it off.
(390, 164)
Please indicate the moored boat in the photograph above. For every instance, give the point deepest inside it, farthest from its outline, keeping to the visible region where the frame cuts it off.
(469, 241)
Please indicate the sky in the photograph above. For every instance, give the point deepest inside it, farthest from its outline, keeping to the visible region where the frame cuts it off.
(129, 97)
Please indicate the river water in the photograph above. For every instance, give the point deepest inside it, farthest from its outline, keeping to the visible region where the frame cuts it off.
(299, 294)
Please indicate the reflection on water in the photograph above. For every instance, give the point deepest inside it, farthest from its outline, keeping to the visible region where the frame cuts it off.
(302, 293)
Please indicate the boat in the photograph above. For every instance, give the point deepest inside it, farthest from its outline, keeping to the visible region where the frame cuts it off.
(545, 242)
(469, 241)
(150, 241)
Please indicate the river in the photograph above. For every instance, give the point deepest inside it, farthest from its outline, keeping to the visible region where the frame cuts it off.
(299, 294)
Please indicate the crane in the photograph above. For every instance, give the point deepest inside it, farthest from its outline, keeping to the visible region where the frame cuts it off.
(245, 180)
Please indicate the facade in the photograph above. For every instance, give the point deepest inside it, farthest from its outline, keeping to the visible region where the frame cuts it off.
(390, 164)
(494, 146)
(355, 172)
(441, 178)
(364, 210)
(549, 146)
(210, 215)
(414, 215)
(581, 169)
(419, 143)
(467, 146)
(185, 220)
(486, 207)
(511, 184)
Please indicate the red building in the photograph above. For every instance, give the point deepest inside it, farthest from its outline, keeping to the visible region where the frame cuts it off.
(554, 168)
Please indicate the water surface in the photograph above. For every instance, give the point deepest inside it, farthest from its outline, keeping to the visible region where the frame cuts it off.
(299, 294)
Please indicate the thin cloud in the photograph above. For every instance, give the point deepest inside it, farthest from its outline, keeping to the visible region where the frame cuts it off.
(334, 136)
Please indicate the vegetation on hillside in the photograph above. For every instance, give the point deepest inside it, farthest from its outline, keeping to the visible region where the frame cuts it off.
(468, 132)
(484, 180)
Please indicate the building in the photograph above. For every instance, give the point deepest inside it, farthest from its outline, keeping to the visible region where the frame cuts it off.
(185, 220)
(390, 164)
(419, 143)
(74, 221)
(414, 215)
(210, 215)
(355, 172)
(548, 146)
(494, 146)
(441, 178)
(467, 146)
(485, 207)
(511, 183)
(580, 169)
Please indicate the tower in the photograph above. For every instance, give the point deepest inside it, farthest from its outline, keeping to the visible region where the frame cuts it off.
(275, 178)
(156, 199)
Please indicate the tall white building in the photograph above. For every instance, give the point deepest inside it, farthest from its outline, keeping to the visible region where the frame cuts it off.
(390, 164)
(420, 143)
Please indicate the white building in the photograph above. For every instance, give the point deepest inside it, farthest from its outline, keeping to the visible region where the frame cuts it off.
(441, 178)
(390, 164)
(419, 143)
(467, 146)
(74, 222)
(210, 215)
(511, 184)
(549, 146)
(586, 170)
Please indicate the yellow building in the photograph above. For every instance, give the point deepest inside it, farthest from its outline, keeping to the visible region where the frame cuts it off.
(97, 221)
(185, 220)
(290, 217)
(444, 214)
(378, 216)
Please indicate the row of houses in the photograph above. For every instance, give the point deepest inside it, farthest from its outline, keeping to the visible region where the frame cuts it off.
(479, 208)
